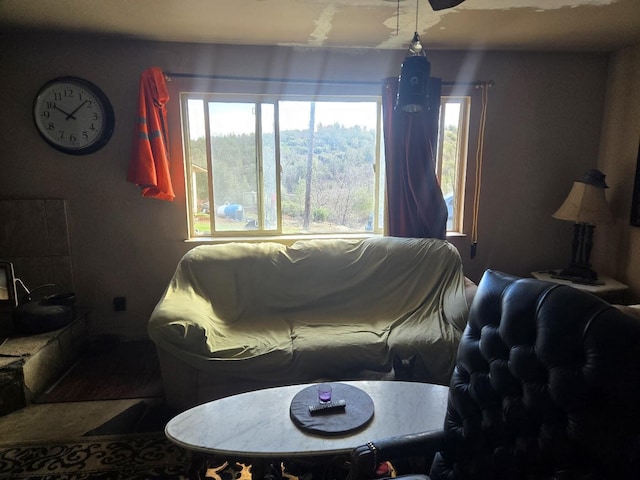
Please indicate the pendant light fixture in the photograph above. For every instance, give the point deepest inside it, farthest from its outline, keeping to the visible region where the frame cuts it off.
(443, 4)
(413, 87)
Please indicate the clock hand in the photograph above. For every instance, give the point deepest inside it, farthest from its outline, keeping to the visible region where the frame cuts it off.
(70, 115)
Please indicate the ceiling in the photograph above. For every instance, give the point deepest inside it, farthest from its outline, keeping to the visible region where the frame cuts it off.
(599, 25)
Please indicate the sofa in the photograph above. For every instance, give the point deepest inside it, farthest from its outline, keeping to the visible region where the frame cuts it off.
(241, 316)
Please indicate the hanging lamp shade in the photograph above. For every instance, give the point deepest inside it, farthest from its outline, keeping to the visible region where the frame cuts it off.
(413, 87)
(442, 4)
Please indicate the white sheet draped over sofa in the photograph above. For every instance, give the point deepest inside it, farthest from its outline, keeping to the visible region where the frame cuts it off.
(317, 308)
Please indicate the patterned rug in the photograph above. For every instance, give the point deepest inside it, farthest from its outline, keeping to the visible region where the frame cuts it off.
(125, 457)
(139, 457)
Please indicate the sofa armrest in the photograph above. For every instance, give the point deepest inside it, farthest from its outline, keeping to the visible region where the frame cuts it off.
(180, 381)
(469, 290)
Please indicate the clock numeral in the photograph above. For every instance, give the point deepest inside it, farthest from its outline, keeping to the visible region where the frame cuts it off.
(73, 138)
(57, 96)
(45, 114)
(85, 135)
(51, 105)
(96, 116)
(51, 126)
(68, 92)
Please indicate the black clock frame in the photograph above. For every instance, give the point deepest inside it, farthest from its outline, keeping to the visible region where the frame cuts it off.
(109, 123)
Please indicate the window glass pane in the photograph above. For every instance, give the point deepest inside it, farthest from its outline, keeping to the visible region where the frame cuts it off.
(382, 187)
(451, 115)
(327, 153)
(269, 166)
(450, 147)
(200, 219)
(233, 165)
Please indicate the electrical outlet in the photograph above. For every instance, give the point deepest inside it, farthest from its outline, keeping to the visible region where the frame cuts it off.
(119, 304)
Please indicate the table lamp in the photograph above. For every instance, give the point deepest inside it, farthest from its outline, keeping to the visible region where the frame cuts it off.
(586, 206)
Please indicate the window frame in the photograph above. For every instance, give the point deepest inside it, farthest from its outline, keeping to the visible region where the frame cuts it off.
(257, 101)
(461, 176)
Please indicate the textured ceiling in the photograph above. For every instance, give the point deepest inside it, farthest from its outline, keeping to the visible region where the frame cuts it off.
(481, 24)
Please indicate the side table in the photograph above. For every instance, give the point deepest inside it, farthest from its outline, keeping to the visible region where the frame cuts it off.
(608, 289)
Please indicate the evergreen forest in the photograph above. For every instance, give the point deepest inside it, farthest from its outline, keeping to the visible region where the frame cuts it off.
(327, 177)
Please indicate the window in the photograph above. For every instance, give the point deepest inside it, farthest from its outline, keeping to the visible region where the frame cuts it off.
(451, 160)
(262, 166)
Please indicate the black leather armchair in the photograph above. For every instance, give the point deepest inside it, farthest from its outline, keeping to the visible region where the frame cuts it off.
(546, 386)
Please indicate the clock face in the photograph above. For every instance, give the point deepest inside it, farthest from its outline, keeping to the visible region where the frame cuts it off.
(73, 115)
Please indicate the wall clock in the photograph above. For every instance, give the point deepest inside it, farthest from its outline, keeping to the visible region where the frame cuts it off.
(73, 115)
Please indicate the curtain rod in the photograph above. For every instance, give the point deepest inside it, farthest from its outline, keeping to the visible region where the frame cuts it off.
(170, 75)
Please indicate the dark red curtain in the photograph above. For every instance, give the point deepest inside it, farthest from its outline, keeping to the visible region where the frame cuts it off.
(415, 206)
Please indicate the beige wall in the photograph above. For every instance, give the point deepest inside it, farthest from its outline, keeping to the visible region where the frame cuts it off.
(618, 246)
(543, 131)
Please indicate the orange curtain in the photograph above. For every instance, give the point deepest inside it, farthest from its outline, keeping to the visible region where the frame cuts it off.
(415, 205)
(149, 163)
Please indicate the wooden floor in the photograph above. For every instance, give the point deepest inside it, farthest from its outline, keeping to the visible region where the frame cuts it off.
(120, 371)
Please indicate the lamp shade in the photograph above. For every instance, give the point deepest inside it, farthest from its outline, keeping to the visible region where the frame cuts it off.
(585, 203)
(413, 82)
(413, 91)
(442, 4)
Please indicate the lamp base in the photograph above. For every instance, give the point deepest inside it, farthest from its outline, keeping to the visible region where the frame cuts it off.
(581, 274)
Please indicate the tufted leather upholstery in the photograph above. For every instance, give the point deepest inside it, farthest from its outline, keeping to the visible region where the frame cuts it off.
(546, 386)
